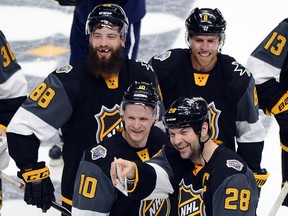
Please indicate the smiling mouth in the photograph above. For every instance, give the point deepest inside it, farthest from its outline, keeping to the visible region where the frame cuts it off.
(103, 50)
(137, 132)
(183, 147)
(204, 54)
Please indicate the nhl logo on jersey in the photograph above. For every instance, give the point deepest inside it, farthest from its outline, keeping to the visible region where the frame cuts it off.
(98, 152)
(190, 200)
(235, 164)
(108, 122)
(155, 207)
(64, 69)
(163, 56)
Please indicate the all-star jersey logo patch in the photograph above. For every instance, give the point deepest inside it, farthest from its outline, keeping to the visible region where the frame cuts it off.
(98, 152)
(64, 69)
(235, 164)
(163, 56)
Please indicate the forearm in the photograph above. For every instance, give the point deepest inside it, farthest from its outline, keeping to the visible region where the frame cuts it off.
(23, 149)
(153, 182)
(251, 153)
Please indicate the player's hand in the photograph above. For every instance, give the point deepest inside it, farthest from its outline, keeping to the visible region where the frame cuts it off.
(39, 189)
(128, 169)
(2, 132)
(261, 177)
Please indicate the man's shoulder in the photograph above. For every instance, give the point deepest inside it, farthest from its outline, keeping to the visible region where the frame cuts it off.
(169, 61)
(170, 55)
(228, 161)
(139, 65)
(72, 71)
(103, 151)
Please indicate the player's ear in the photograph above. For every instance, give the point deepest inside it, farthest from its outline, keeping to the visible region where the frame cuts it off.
(123, 40)
(204, 129)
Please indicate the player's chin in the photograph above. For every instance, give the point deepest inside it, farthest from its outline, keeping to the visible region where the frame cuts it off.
(136, 137)
(104, 55)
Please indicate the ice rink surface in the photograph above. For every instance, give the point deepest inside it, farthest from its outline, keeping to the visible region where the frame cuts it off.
(32, 26)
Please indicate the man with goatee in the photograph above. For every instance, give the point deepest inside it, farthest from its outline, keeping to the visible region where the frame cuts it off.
(83, 99)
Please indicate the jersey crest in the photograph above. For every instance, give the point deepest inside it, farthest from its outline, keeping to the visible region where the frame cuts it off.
(190, 201)
(108, 122)
(98, 152)
(214, 115)
(163, 56)
(155, 207)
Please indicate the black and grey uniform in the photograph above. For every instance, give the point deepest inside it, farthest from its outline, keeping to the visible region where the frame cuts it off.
(269, 65)
(224, 186)
(13, 84)
(230, 92)
(101, 197)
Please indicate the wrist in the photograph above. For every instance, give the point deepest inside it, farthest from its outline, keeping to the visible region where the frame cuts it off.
(130, 181)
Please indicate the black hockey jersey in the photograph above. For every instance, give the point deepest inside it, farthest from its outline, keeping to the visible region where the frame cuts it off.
(13, 85)
(269, 64)
(229, 90)
(224, 186)
(102, 197)
(71, 98)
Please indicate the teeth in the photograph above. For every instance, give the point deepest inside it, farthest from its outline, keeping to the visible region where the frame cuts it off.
(204, 54)
(101, 50)
(183, 147)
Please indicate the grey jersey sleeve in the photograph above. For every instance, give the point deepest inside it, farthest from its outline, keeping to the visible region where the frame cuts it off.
(249, 126)
(94, 193)
(236, 196)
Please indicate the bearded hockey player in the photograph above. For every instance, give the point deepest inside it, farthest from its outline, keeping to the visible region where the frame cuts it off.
(84, 99)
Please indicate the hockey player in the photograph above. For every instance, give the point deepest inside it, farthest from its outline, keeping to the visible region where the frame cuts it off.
(139, 141)
(135, 11)
(84, 99)
(202, 70)
(269, 65)
(13, 92)
(207, 178)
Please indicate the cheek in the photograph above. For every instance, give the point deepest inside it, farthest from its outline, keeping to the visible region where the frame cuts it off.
(92, 42)
(214, 47)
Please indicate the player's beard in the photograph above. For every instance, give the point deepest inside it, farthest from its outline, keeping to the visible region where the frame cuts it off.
(103, 67)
